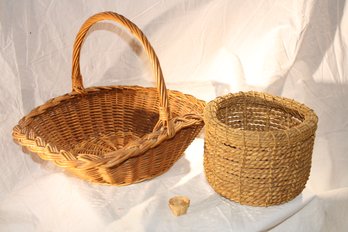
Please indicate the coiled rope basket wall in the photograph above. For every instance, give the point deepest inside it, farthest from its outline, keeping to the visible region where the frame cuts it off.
(116, 134)
(258, 147)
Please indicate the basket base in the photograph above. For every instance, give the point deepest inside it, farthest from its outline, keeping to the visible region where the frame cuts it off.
(104, 143)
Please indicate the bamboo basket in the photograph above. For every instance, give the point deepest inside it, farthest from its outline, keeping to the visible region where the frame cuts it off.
(258, 147)
(115, 135)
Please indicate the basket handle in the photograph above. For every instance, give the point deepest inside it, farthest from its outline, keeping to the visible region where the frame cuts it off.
(77, 82)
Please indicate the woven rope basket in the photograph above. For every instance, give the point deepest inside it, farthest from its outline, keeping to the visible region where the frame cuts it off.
(258, 147)
(116, 134)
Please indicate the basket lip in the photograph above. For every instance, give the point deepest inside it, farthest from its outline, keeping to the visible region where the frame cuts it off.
(25, 137)
(93, 90)
(308, 124)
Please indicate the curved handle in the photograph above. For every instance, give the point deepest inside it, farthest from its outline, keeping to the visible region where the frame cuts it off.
(77, 83)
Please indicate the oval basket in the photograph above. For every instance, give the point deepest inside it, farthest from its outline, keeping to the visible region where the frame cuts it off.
(116, 134)
(258, 147)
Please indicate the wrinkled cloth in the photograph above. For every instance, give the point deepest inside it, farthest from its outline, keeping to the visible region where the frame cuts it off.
(295, 49)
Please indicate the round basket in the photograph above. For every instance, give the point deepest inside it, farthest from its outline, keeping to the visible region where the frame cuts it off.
(116, 134)
(258, 147)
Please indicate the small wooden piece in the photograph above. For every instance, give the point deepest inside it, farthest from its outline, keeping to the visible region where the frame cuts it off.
(179, 205)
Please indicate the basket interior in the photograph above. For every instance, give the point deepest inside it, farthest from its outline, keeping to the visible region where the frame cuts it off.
(257, 114)
(106, 120)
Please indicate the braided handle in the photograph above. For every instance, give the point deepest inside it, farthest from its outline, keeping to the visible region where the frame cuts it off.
(77, 82)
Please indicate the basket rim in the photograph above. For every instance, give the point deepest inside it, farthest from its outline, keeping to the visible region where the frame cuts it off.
(308, 124)
(92, 90)
(25, 137)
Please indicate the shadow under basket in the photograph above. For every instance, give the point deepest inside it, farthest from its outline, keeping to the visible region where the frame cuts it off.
(115, 134)
(258, 147)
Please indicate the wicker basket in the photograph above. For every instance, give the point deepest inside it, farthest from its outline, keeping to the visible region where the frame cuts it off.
(258, 147)
(114, 134)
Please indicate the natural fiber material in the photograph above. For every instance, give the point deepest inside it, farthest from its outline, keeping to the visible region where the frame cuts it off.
(115, 134)
(258, 147)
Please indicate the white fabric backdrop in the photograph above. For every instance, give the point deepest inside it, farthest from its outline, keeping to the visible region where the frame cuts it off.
(296, 49)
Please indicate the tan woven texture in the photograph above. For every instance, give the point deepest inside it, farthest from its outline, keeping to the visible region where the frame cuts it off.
(258, 147)
(116, 134)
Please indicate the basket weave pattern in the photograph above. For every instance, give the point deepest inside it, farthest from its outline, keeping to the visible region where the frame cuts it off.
(258, 147)
(115, 134)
